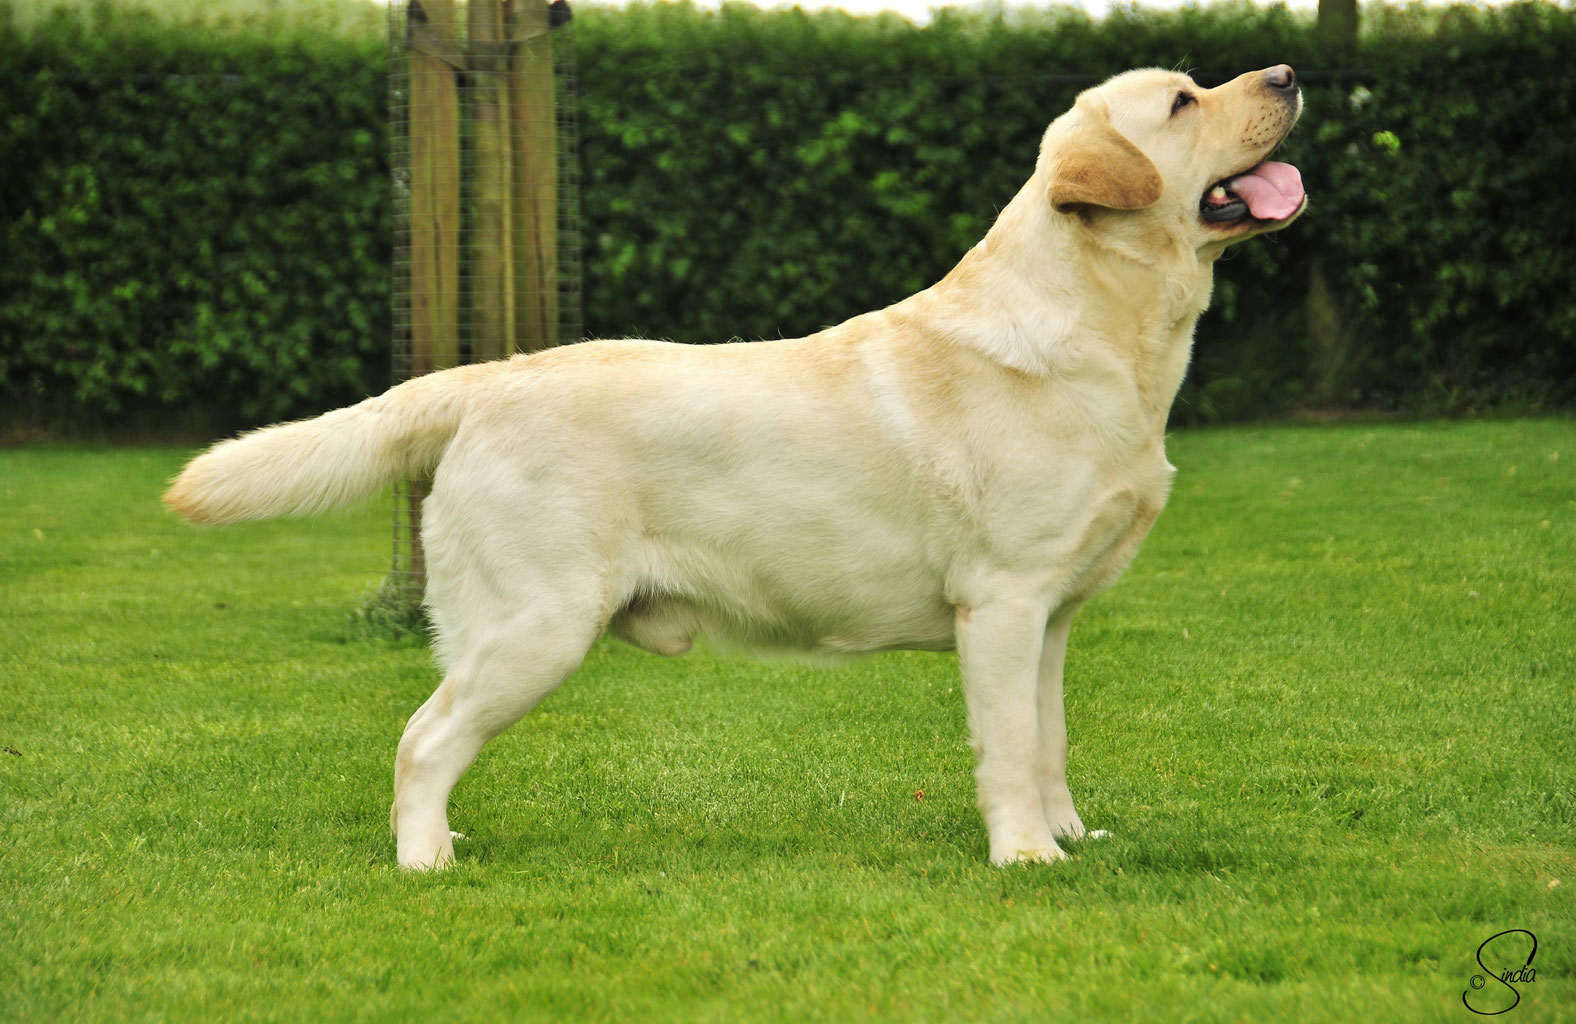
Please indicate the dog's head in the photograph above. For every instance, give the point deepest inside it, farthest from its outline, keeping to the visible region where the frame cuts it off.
(1154, 145)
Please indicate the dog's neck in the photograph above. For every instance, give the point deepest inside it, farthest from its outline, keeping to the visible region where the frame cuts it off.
(1049, 294)
(1158, 272)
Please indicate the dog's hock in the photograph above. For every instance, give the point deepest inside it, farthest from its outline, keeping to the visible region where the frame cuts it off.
(1097, 165)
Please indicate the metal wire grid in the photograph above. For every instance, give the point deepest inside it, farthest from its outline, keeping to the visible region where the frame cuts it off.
(476, 318)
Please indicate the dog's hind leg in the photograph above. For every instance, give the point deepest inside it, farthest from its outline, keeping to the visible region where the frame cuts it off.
(493, 680)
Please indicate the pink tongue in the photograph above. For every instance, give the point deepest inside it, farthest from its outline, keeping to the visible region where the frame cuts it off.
(1272, 191)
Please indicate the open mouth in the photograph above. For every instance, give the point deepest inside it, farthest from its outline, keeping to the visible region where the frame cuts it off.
(1268, 192)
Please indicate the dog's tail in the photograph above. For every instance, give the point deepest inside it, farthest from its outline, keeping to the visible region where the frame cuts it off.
(337, 459)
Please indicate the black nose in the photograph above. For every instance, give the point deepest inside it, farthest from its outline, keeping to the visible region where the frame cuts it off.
(1281, 78)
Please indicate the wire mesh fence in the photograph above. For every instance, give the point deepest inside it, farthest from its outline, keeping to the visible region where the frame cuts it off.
(484, 137)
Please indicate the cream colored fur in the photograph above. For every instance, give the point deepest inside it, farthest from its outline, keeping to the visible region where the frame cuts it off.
(960, 470)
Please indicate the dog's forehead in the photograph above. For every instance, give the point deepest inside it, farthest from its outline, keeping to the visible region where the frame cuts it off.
(1142, 84)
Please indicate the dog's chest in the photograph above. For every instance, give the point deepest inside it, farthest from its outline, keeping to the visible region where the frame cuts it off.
(1081, 526)
(1116, 533)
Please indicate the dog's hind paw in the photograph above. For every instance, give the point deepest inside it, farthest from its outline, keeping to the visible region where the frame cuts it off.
(1038, 855)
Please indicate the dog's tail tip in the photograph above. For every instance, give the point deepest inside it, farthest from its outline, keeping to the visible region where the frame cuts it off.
(204, 494)
(179, 501)
(181, 497)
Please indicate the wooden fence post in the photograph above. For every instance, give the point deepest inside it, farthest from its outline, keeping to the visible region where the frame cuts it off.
(492, 183)
(434, 186)
(535, 141)
(482, 131)
(1337, 24)
(1337, 29)
(433, 283)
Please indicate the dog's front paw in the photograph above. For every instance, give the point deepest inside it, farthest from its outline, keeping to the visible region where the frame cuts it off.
(435, 860)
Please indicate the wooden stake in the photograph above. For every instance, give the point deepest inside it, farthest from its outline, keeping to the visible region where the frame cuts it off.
(535, 192)
(434, 187)
(492, 182)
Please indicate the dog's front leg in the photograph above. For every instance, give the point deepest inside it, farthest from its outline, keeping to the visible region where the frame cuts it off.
(1051, 769)
(999, 647)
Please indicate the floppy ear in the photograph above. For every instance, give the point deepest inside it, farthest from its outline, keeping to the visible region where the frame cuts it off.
(1098, 166)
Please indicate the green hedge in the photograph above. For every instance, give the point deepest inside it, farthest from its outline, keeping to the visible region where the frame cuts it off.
(760, 174)
(196, 223)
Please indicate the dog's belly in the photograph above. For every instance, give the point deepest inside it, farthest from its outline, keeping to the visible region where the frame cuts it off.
(669, 626)
(814, 603)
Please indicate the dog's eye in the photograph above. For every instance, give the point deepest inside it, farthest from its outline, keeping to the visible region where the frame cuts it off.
(1182, 100)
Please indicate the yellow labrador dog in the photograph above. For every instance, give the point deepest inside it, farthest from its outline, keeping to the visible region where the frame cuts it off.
(960, 470)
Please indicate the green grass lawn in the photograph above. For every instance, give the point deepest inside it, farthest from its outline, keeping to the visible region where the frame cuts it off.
(1328, 716)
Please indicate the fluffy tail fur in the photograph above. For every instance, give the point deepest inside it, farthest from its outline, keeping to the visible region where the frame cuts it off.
(337, 459)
